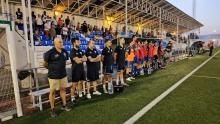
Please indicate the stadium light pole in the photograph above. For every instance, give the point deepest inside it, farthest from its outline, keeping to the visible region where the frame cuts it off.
(3, 7)
(25, 31)
(177, 34)
(32, 44)
(7, 10)
(160, 26)
(126, 17)
(31, 29)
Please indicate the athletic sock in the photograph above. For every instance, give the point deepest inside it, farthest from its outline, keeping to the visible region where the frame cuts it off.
(117, 81)
(122, 81)
(73, 98)
(104, 87)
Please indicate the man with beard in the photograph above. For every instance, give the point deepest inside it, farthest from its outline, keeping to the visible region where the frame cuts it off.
(78, 74)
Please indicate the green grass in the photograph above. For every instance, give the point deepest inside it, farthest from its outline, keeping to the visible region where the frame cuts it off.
(196, 101)
(118, 108)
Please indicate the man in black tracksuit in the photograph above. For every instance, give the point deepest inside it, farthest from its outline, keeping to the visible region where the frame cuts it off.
(119, 60)
(92, 68)
(108, 61)
(77, 57)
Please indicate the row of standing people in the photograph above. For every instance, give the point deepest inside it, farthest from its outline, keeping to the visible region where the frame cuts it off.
(136, 55)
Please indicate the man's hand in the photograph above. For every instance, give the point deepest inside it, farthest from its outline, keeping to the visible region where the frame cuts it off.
(45, 64)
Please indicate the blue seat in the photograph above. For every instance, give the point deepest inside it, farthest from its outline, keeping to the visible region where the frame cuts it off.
(44, 43)
(122, 33)
(102, 42)
(50, 43)
(67, 48)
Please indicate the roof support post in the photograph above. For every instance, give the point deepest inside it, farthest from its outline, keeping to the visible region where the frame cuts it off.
(126, 17)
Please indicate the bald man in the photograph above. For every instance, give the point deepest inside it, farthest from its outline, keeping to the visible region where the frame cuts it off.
(92, 68)
(55, 62)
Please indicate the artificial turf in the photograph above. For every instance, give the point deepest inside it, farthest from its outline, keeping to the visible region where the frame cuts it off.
(196, 101)
(117, 108)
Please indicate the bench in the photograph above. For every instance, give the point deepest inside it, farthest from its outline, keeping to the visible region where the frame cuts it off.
(39, 93)
(39, 103)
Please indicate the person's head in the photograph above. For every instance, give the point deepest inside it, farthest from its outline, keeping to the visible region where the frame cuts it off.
(91, 44)
(18, 9)
(44, 13)
(108, 43)
(121, 41)
(75, 42)
(134, 38)
(32, 12)
(58, 43)
(39, 15)
(68, 17)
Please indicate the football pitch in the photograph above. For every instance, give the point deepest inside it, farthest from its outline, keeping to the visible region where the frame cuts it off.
(195, 101)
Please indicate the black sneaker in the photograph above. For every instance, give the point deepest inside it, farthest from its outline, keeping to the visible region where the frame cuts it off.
(53, 114)
(73, 102)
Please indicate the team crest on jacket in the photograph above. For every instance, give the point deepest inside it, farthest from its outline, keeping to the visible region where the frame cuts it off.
(57, 55)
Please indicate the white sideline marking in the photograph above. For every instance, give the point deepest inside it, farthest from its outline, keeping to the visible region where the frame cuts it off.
(144, 110)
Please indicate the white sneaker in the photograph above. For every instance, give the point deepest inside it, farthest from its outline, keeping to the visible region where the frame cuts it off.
(125, 84)
(132, 78)
(97, 93)
(88, 96)
(80, 95)
(128, 79)
(105, 91)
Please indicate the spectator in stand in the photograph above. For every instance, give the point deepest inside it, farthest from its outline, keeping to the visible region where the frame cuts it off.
(155, 55)
(72, 29)
(60, 23)
(47, 28)
(102, 29)
(65, 32)
(78, 26)
(169, 50)
(72, 22)
(211, 47)
(110, 29)
(19, 15)
(39, 23)
(33, 20)
(84, 27)
(67, 21)
(52, 31)
(123, 29)
(61, 17)
(44, 18)
(160, 55)
(90, 28)
(54, 20)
